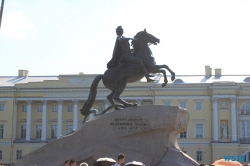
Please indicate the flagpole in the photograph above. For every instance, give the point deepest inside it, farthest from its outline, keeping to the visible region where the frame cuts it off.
(1, 12)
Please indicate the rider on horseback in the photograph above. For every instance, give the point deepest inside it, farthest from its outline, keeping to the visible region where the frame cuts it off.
(122, 53)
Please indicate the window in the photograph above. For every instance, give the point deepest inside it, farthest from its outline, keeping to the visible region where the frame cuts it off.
(69, 129)
(167, 103)
(1, 107)
(1, 130)
(101, 107)
(23, 131)
(54, 108)
(183, 134)
(199, 156)
(183, 105)
(53, 131)
(198, 106)
(18, 154)
(245, 129)
(245, 108)
(24, 108)
(198, 130)
(1, 155)
(38, 131)
(39, 108)
(70, 108)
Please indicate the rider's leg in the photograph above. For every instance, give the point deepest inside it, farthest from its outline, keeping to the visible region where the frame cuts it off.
(140, 62)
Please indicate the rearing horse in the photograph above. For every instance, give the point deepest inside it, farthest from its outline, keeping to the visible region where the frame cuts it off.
(116, 78)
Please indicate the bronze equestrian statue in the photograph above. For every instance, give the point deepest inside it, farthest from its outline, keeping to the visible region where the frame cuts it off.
(122, 54)
(123, 69)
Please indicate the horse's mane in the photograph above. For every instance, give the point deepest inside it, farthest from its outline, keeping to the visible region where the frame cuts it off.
(138, 36)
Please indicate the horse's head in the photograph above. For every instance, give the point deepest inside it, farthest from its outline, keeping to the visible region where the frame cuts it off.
(144, 37)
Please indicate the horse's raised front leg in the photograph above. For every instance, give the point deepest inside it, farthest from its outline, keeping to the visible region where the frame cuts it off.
(165, 76)
(170, 71)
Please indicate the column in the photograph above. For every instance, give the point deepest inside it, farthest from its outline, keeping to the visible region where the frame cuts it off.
(75, 113)
(28, 121)
(245, 128)
(106, 105)
(91, 116)
(59, 119)
(215, 118)
(138, 101)
(44, 119)
(233, 120)
(14, 125)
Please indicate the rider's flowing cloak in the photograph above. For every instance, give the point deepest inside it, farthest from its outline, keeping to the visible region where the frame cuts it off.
(117, 55)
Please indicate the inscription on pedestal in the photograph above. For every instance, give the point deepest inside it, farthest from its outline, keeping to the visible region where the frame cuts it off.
(129, 123)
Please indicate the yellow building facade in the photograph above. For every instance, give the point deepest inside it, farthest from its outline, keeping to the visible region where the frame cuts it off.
(35, 110)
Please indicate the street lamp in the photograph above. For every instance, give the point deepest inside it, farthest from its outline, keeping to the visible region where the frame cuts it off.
(1, 12)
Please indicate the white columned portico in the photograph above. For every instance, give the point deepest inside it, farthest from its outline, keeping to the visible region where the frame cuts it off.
(138, 101)
(75, 114)
(59, 119)
(215, 119)
(28, 120)
(233, 119)
(44, 119)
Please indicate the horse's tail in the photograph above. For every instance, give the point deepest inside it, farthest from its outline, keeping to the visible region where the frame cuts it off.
(92, 95)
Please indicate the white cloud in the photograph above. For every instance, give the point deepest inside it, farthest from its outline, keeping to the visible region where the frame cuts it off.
(17, 26)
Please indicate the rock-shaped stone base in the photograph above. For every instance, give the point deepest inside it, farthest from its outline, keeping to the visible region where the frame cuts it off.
(145, 133)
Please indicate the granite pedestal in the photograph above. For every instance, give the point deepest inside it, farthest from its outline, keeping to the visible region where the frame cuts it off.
(145, 133)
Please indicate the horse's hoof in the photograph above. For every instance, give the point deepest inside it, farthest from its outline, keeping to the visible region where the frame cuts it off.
(118, 108)
(172, 78)
(163, 84)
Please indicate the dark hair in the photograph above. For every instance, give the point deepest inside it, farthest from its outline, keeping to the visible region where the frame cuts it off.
(72, 161)
(66, 161)
(118, 30)
(202, 165)
(121, 156)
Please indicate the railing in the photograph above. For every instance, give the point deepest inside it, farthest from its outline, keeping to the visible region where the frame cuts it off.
(245, 140)
(244, 112)
(33, 140)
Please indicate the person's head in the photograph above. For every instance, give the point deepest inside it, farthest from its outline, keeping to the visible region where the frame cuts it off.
(83, 164)
(121, 158)
(119, 30)
(66, 163)
(72, 162)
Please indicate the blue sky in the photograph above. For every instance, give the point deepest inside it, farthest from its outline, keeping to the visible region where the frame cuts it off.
(71, 36)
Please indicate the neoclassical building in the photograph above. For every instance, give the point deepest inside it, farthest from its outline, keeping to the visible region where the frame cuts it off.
(35, 110)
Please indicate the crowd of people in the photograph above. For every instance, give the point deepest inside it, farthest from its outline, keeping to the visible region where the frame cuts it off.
(120, 161)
